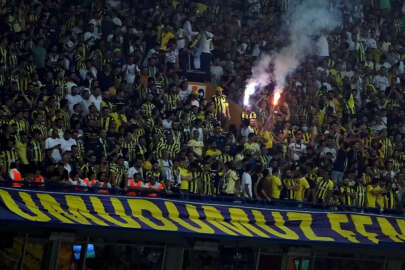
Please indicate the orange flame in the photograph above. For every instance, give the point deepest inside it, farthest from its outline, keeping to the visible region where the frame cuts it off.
(276, 97)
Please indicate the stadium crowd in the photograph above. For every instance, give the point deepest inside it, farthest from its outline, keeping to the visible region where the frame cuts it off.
(94, 93)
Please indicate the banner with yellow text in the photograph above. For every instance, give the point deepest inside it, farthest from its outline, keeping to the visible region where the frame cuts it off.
(54, 208)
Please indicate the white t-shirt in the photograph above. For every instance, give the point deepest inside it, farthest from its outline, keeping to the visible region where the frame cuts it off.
(50, 143)
(73, 100)
(68, 168)
(246, 131)
(166, 166)
(216, 73)
(171, 57)
(200, 133)
(131, 172)
(181, 42)
(69, 86)
(247, 180)
(188, 30)
(205, 41)
(90, 38)
(96, 101)
(297, 150)
(371, 43)
(66, 145)
(184, 94)
(130, 74)
(381, 82)
(167, 124)
(331, 150)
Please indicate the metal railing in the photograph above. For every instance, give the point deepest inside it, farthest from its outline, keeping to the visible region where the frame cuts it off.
(218, 199)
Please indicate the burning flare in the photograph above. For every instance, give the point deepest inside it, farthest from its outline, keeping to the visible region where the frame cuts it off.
(276, 96)
(249, 90)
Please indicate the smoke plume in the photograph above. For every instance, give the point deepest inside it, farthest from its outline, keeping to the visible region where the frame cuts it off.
(305, 24)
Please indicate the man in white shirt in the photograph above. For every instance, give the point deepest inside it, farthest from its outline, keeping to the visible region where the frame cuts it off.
(381, 81)
(296, 148)
(86, 102)
(246, 186)
(96, 98)
(54, 143)
(216, 72)
(181, 41)
(166, 165)
(67, 142)
(187, 27)
(206, 47)
(246, 130)
(91, 35)
(199, 129)
(329, 148)
(73, 98)
(184, 91)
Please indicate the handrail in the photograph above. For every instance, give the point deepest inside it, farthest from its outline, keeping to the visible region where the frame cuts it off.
(219, 199)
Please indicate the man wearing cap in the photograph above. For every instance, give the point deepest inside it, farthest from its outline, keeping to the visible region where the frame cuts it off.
(221, 104)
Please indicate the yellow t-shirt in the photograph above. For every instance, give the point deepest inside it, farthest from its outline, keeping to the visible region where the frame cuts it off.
(184, 172)
(201, 8)
(231, 179)
(118, 119)
(22, 152)
(302, 186)
(269, 139)
(213, 153)
(165, 39)
(374, 200)
(253, 147)
(197, 146)
(385, 46)
(276, 187)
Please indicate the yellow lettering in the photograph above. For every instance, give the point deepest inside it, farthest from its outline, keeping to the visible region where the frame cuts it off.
(305, 226)
(336, 220)
(77, 205)
(13, 206)
(118, 210)
(240, 222)
(192, 215)
(279, 222)
(138, 206)
(54, 208)
(214, 217)
(359, 222)
(390, 231)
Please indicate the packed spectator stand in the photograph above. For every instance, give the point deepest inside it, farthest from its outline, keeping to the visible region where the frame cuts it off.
(95, 98)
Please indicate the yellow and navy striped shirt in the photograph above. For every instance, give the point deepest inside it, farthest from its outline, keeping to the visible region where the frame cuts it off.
(322, 187)
(345, 192)
(193, 186)
(225, 158)
(37, 152)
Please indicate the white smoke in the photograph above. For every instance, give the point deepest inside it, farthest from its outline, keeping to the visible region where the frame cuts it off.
(304, 23)
(261, 77)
